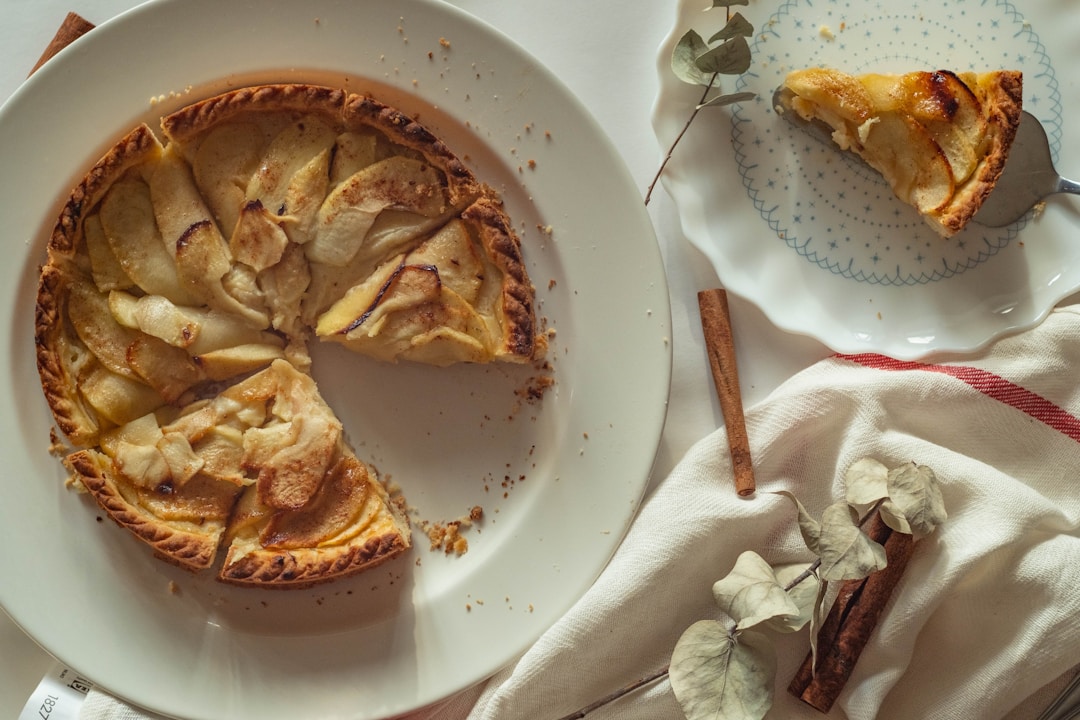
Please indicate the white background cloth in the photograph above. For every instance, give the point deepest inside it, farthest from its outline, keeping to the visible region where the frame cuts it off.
(590, 653)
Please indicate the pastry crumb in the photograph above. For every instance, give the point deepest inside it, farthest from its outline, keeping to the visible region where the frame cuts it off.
(447, 536)
(537, 385)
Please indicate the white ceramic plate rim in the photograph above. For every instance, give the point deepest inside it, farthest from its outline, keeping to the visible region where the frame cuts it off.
(607, 299)
(1013, 291)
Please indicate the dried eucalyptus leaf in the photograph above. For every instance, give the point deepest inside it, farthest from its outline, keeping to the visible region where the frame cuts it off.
(915, 491)
(737, 25)
(722, 100)
(847, 553)
(808, 526)
(684, 60)
(866, 482)
(728, 58)
(751, 594)
(719, 673)
(893, 516)
(803, 594)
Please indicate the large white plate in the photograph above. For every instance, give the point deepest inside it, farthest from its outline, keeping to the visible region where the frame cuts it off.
(559, 481)
(819, 243)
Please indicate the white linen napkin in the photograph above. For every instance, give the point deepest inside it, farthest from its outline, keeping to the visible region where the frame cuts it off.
(987, 612)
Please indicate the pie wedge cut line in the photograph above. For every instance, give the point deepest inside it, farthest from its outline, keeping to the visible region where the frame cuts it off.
(189, 271)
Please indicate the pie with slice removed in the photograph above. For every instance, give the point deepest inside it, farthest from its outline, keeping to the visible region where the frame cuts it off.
(188, 274)
(940, 139)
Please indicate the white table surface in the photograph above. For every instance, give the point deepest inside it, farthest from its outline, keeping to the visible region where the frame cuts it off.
(605, 51)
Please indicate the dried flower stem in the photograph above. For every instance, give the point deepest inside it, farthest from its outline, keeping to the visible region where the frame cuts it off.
(662, 673)
(671, 150)
(577, 715)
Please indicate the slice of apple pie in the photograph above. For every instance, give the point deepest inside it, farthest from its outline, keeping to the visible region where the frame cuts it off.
(939, 138)
(188, 273)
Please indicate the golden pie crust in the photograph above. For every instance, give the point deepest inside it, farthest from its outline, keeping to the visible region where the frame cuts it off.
(939, 138)
(188, 273)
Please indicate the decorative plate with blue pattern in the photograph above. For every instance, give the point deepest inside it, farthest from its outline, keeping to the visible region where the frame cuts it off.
(817, 239)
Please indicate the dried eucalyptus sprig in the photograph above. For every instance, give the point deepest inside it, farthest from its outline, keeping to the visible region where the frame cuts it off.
(725, 667)
(701, 62)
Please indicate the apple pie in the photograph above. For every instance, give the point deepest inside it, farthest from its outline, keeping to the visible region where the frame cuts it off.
(940, 139)
(188, 274)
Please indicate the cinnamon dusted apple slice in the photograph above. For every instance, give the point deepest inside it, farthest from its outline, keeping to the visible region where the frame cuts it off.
(258, 239)
(116, 398)
(235, 360)
(429, 305)
(392, 231)
(127, 218)
(192, 237)
(408, 315)
(350, 210)
(148, 458)
(350, 525)
(222, 166)
(353, 151)
(128, 353)
(198, 330)
(335, 510)
(221, 450)
(293, 174)
(939, 139)
(290, 472)
(106, 339)
(104, 267)
(167, 369)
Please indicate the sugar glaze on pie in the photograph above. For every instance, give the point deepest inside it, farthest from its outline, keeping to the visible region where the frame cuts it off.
(186, 277)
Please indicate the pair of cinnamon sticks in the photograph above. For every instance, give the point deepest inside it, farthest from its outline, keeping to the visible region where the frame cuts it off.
(851, 621)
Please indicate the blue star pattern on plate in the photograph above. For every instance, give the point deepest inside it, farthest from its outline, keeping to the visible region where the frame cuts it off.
(825, 204)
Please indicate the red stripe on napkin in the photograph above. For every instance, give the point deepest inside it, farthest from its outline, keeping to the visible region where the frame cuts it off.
(987, 383)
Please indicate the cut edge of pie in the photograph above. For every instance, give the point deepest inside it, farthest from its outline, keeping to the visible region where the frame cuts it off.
(939, 138)
(179, 376)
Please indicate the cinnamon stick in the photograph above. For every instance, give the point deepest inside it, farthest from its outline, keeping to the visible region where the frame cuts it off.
(851, 621)
(73, 27)
(720, 346)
